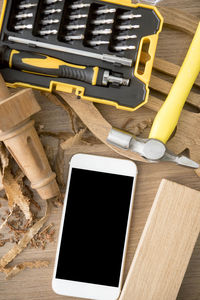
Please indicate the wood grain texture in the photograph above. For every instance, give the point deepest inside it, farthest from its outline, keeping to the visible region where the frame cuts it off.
(166, 244)
(18, 133)
(90, 115)
(36, 284)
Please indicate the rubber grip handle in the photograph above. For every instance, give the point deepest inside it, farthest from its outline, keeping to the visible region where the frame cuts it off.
(167, 118)
(85, 75)
(46, 65)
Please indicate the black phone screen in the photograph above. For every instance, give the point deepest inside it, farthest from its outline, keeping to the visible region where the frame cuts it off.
(94, 229)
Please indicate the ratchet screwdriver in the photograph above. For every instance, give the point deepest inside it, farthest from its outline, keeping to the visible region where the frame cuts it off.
(42, 64)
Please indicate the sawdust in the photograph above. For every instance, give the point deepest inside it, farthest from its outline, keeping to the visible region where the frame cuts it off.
(27, 237)
(12, 271)
(20, 212)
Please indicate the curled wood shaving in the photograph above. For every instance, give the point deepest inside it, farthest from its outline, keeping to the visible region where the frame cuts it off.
(11, 272)
(13, 252)
(95, 122)
(73, 140)
(14, 194)
(4, 160)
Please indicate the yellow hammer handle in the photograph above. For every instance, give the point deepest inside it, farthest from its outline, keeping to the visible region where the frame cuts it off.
(167, 118)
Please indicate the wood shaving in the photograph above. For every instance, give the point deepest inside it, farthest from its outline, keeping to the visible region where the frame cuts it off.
(52, 98)
(59, 167)
(136, 128)
(96, 123)
(13, 252)
(5, 220)
(14, 194)
(58, 135)
(3, 242)
(73, 140)
(10, 272)
(4, 160)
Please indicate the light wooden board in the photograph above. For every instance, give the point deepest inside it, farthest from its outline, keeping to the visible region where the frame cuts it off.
(36, 284)
(166, 244)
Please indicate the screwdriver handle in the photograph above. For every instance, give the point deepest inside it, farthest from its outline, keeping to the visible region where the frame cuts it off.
(167, 118)
(45, 65)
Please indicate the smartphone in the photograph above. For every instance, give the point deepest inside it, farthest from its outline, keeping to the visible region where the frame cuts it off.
(94, 227)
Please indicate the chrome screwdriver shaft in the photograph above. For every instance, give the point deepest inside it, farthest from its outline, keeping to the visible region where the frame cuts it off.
(111, 58)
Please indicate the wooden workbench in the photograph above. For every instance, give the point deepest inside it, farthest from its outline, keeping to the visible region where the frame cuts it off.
(36, 284)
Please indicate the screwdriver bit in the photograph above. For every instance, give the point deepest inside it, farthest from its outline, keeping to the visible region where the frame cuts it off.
(105, 11)
(79, 5)
(49, 21)
(123, 48)
(24, 16)
(51, 11)
(101, 31)
(97, 43)
(26, 5)
(23, 26)
(128, 16)
(107, 78)
(127, 27)
(75, 26)
(48, 31)
(78, 16)
(74, 37)
(125, 37)
(51, 1)
(102, 21)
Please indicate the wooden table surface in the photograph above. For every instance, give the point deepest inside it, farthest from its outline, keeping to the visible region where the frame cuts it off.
(36, 284)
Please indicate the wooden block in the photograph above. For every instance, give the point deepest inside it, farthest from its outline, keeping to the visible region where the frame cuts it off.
(17, 108)
(166, 245)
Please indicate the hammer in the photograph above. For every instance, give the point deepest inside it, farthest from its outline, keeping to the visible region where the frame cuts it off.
(22, 141)
(153, 148)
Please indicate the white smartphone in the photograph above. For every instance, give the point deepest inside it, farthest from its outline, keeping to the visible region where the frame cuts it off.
(94, 227)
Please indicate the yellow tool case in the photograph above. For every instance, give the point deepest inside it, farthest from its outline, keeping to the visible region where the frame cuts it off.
(90, 47)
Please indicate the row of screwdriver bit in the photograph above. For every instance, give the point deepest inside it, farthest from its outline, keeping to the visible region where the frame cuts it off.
(92, 24)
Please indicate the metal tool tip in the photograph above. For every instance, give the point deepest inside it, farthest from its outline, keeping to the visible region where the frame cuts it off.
(185, 161)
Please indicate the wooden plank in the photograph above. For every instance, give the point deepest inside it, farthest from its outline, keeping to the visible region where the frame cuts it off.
(166, 244)
(164, 87)
(175, 19)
